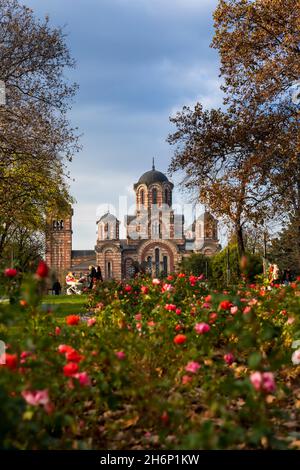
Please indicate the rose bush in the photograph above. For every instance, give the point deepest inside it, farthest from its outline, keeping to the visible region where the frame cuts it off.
(152, 364)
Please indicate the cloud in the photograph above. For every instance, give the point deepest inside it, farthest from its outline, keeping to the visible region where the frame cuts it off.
(138, 62)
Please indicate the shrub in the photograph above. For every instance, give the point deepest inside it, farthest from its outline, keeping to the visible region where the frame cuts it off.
(171, 364)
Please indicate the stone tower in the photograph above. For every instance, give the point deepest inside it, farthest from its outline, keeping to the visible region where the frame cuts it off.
(108, 248)
(59, 245)
(206, 234)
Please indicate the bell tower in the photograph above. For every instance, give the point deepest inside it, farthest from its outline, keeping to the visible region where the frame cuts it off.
(59, 244)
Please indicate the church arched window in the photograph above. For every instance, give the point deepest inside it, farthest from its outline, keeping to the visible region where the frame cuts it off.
(165, 265)
(149, 264)
(156, 262)
(166, 196)
(154, 196)
(58, 224)
(107, 231)
(142, 197)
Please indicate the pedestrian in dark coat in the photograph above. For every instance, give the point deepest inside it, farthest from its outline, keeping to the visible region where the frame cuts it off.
(92, 276)
(56, 287)
(99, 274)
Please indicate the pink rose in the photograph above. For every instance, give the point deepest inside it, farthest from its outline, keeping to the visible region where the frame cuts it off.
(234, 310)
(91, 321)
(167, 288)
(192, 367)
(144, 289)
(256, 380)
(120, 355)
(186, 379)
(263, 381)
(83, 379)
(201, 328)
(229, 358)
(296, 357)
(36, 397)
(247, 310)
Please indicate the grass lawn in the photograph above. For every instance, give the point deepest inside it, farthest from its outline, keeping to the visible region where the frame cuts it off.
(64, 305)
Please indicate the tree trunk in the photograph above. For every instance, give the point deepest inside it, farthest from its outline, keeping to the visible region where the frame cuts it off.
(240, 239)
(298, 226)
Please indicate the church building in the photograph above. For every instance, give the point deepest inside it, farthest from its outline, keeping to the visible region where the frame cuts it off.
(156, 240)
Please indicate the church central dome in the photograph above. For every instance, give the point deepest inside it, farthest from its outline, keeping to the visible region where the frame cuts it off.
(152, 176)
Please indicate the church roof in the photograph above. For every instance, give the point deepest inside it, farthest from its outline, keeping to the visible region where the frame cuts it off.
(108, 217)
(152, 176)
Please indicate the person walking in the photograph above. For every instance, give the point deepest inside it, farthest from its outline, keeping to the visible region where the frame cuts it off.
(287, 276)
(56, 288)
(99, 274)
(92, 276)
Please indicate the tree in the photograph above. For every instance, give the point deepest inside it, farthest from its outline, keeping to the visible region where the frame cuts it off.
(196, 264)
(36, 138)
(24, 249)
(220, 154)
(259, 46)
(228, 258)
(284, 249)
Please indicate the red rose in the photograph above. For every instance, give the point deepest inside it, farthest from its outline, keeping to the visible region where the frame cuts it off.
(10, 272)
(70, 369)
(74, 356)
(165, 417)
(128, 288)
(42, 270)
(144, 289)
(179, 339)
(11, 361)
(72, 319)
(225, 305)
(64, 348)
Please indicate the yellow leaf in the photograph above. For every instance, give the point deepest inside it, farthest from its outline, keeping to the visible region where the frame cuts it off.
(27, 416)
(130, 422)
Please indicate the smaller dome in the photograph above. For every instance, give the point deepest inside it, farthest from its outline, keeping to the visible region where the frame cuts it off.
(108, 217)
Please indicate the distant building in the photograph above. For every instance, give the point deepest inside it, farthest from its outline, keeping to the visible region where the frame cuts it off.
(155, 237)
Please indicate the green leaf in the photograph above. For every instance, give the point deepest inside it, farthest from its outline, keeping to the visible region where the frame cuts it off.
(254, 360)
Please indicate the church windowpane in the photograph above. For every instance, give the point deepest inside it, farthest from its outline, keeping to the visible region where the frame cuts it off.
(165, 265)
(57, 224)
(154, 196)
(149, 264)
(166, 196)
(157, 262)
(142, 197)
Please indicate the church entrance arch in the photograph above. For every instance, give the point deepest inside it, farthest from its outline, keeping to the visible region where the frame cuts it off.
(158, 256)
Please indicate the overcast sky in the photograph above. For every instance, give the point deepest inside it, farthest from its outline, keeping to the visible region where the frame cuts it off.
(138, 62)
